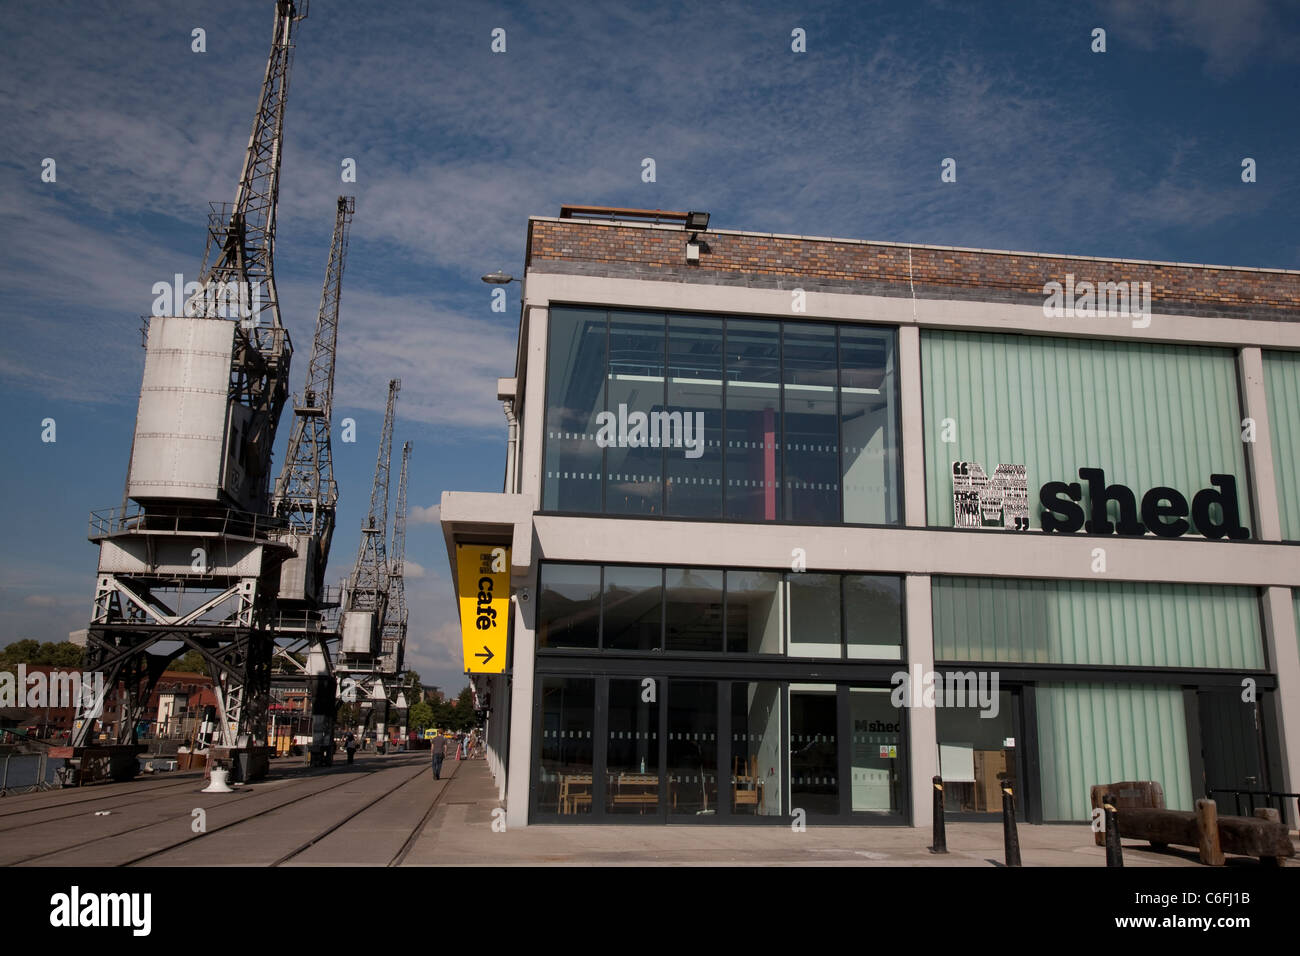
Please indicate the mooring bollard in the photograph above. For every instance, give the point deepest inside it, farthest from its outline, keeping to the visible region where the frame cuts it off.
(1114, 850)
(1010, 839)
(940, 844)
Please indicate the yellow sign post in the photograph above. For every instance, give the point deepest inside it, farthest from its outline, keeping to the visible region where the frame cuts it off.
(483, 580)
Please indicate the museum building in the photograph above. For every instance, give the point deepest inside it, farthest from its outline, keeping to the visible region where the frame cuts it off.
(793, 524)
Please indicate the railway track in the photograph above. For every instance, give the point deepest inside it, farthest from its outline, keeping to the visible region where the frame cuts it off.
(372, 815)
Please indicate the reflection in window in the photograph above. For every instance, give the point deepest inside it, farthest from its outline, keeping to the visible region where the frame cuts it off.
(814, 602)
(633, 604)
(575, 396)
(635, 393)
(692, 747)
(868, 426)
(632, 750)
(877, 750)
(568, 610)
(976, 754)
(694, 476)
(814, 755)
(754, 612)
(693, 610)
(568, 720)
(811, 427)
(756, 748)
(873, 616)
(753, 421)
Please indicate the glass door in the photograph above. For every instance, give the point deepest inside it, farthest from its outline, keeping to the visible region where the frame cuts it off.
(977, 752)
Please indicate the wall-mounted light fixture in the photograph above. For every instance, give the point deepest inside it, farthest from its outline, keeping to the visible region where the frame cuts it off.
(696, 223)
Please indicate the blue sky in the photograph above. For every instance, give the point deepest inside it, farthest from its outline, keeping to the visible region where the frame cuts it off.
(1135, 152)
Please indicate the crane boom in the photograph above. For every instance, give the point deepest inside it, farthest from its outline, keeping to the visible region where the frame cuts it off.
(395, 618)
(306, 494)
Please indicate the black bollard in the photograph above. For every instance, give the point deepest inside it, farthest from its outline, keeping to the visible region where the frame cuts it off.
(1114, 851)
(1010, 839)
(940, 837)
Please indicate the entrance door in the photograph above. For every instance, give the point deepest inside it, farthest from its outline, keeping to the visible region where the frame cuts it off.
(1230, 744)
(979, 749)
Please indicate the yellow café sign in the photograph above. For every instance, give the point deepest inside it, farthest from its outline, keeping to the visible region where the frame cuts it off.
(483, 579)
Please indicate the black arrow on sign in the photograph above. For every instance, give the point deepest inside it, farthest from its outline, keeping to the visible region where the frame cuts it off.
(486, 654)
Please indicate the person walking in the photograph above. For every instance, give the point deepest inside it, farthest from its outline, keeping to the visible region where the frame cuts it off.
(351, 744)
(439, 748)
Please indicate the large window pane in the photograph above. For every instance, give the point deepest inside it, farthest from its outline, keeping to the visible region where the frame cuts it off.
(814, 755)
(976, 752)
(873, 616)
(694, 471)
(632, 750)
(753, 426)
(575, 395)
(693, 747)
(568, 609)
(877, 751)
(693, 610)
(811, 433)
(814, 614)
(565, 748)
(757, 750)
(755, 612)
(868, 426)
(633, 605)
(635, 393)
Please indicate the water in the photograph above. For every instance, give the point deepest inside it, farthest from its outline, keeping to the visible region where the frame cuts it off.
(23, 770)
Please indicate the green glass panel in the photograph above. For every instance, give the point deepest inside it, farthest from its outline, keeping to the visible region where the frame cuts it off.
(1147, 415)
(1121, 624)
(1092, 734)
(1282, 384)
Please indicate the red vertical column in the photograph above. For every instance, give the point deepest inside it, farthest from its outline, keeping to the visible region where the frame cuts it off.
(769, 464)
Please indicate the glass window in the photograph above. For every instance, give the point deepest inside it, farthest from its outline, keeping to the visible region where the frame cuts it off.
(873, 616)
(868, 426)
(753, 426)
(810, 445)
(632, 751)
(565, 748)
(814, 755)
(692, 747)
(693, 472)
(634, 421)
(756, 748)
(755, 612)
(633, 604)
(575, 396)
(568, 611)
(693, 610)
(877, 751)
(976, 752)
(814, 602)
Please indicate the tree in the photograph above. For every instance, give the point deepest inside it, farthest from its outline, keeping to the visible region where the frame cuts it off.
(21, 652)
(191, 663)
(27, 651)
(419, 717)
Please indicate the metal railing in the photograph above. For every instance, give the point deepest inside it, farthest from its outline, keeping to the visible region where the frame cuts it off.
(1267, 798)
(222, 521)
(36, 770)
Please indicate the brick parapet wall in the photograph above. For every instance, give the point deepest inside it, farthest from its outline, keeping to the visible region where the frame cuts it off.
(636, 250)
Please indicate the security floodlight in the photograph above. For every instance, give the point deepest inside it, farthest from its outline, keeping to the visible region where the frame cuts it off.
(697, 221)
(498, 278)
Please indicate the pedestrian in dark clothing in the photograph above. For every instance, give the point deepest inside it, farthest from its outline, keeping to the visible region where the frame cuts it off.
(351, 744)
(439, 748)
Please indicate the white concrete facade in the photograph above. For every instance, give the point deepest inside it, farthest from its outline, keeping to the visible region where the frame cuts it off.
(913, 550)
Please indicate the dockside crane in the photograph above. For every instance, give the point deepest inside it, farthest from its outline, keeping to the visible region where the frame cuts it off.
(306, 499)
(393, 649)
(193, 563)
(365, 599)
